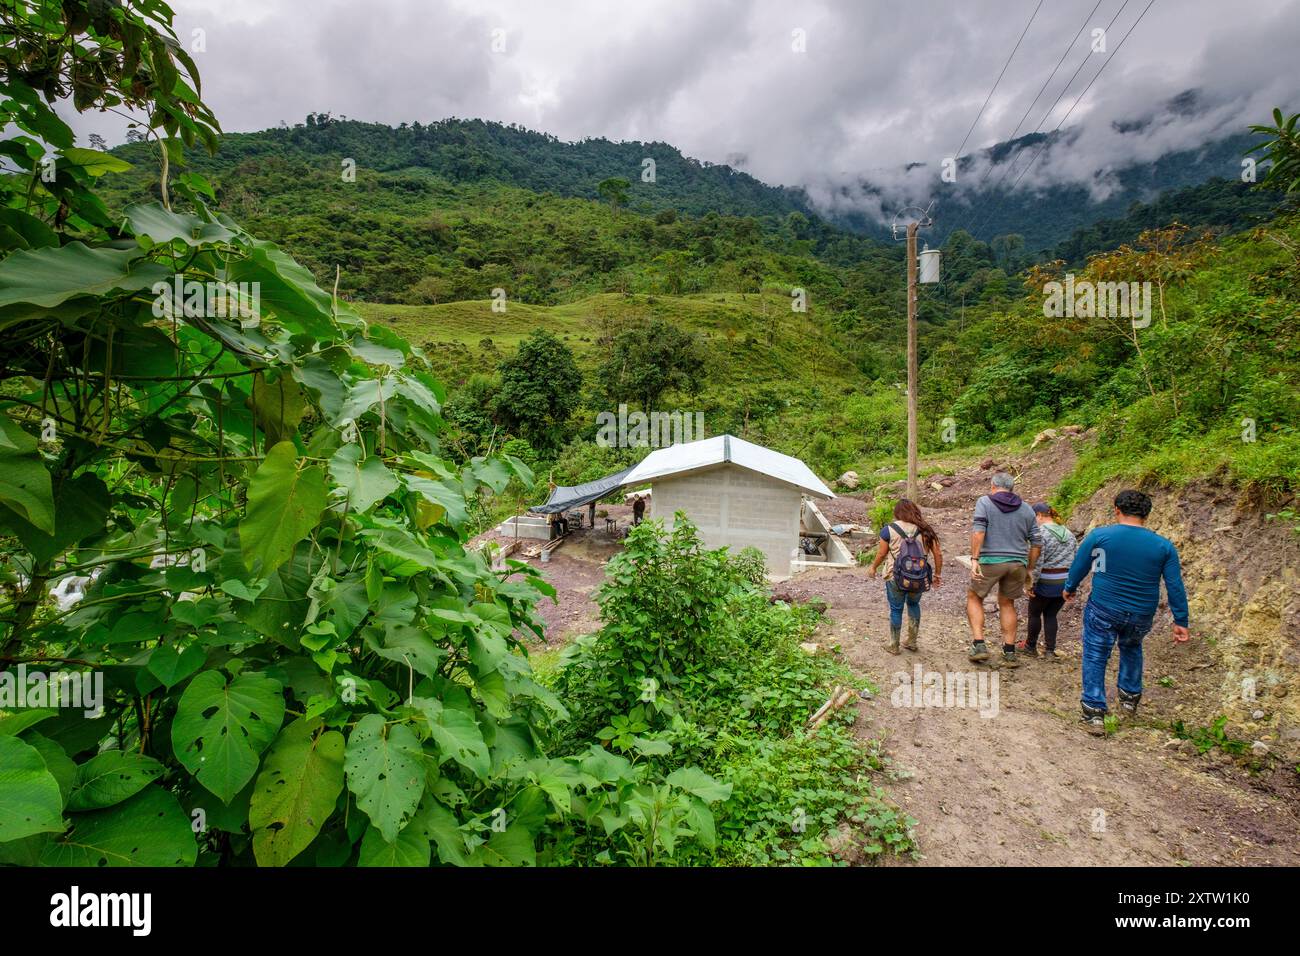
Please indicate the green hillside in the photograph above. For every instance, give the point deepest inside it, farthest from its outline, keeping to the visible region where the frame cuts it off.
(422, 247)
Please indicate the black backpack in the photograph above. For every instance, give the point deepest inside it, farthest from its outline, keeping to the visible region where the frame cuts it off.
(912, 571)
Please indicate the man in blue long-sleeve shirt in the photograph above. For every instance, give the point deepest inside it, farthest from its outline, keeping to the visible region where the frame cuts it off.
(1127, 562)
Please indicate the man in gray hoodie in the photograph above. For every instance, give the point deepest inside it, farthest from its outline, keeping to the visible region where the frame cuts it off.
(1004, 545)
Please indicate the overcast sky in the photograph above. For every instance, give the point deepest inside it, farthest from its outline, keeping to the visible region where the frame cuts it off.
(815, 94)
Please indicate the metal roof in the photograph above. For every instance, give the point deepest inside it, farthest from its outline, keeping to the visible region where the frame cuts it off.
(727, 449)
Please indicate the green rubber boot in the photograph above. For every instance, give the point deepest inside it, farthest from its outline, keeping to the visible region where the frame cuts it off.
(893, 639)
(913, 629)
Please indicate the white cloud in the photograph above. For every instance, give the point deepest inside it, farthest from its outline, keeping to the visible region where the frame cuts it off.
(881, 85)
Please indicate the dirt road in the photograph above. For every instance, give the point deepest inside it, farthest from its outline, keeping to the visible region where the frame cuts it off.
(1027, 785)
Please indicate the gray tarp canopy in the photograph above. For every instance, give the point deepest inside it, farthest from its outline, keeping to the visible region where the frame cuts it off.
(564, 497)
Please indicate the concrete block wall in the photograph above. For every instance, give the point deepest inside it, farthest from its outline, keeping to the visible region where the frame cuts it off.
(737, 508)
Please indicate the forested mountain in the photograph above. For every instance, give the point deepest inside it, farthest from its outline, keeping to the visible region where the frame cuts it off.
(464, 151)
(995, 205)
(471, 150)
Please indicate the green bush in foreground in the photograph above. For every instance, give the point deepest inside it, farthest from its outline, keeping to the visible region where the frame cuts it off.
(696, 666)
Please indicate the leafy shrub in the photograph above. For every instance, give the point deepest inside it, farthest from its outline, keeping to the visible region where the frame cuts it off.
(751, 564)
(696, 671)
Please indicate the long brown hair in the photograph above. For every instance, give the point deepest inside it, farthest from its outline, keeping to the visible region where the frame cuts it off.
(907, 511)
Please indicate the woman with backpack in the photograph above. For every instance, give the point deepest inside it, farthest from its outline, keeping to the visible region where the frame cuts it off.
(910, 547)
(1048, 586)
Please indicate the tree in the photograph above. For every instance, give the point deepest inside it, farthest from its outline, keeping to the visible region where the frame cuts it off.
(614, 191)
(649, 360)
(541, 386)
(345, 662)
(1282, 150)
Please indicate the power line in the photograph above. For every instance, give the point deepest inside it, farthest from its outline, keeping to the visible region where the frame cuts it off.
(989, 197)
(1051, 76)
(1077, 101)
(975, 122)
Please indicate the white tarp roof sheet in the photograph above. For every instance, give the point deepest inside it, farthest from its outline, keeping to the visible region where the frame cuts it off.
(722, 449)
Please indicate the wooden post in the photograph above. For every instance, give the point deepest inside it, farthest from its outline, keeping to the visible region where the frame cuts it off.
(911, 361)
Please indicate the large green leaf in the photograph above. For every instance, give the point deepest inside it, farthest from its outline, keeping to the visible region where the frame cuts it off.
(512, 846)
(408, 645)
(14, 722)
(279, 406)
(385, 769)
(288, 290)
(296, 791)
(150, 829)
(49, 276)
(696, 781)
(443, 829)
(93, 161)
(56, 760)
(24, 479)
(171, 666)
(162, 226)
(30, 232)
(111, 777)
(220, 728)
(81, 506)
(457, 735)
(30, 801)
(411, 848)
(367, 481)
(284, 504)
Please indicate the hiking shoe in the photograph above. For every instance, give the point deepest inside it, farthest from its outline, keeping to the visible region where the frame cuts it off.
(978, 652)
(913, 629)
(1052, 657)
(893, 640)
(1009, 658)
(1094, 721)
(1128, 703)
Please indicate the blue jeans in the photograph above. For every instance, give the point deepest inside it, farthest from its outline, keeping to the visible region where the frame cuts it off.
(896, 599)
(1103, 628)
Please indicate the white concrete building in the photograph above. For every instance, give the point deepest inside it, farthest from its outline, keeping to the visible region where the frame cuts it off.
(741, 495)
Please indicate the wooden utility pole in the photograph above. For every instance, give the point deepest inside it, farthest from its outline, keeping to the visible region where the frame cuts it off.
(911, 361)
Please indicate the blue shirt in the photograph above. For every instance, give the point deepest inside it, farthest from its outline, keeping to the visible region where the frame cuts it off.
(1128, 562)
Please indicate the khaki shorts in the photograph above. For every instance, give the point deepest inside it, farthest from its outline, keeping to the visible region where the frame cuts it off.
(1009, 576)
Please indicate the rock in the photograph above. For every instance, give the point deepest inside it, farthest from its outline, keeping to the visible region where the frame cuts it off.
(1279, 691)
(849, 480)
(936, 486)
(1257, 715)
(811, 648)
(1047, 434)
(948, 481)
(987, 463)
(1259, 748)
(1072, 429)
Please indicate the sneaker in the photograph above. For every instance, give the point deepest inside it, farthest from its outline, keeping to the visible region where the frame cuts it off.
(1009, 658)
(1052, 657)
(1128, 703)
(1094, 721)
(978, 652)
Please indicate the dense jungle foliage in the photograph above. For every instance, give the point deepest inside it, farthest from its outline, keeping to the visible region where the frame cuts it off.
(285, 651)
